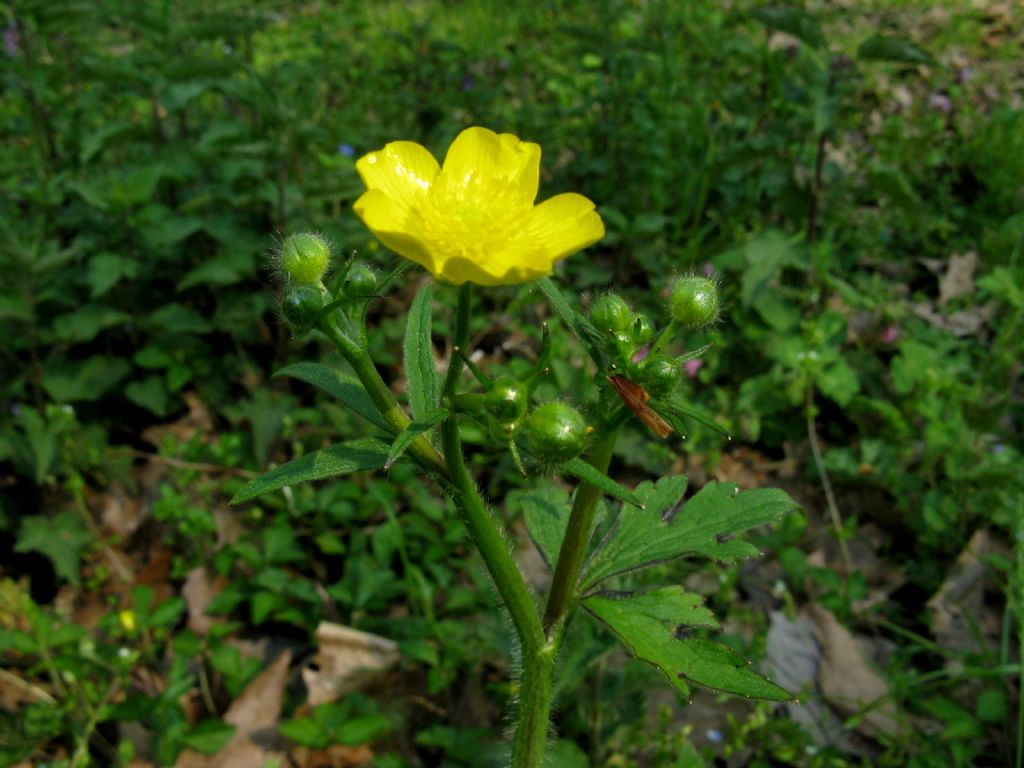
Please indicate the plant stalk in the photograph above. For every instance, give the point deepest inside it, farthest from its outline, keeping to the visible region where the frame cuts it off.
(577, 536)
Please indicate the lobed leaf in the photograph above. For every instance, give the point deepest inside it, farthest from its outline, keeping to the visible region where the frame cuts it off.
(420, 371)
(341, 459)
(649, 624)
(703, 526)
(345, 388)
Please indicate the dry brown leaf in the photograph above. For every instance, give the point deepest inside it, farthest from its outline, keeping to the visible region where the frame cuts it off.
(346, 661)
(198, 590)
(958, 610)
(335, 756)
(958, 279)
(120, 513)
(793, 660)
(255, 714)
(847, 681)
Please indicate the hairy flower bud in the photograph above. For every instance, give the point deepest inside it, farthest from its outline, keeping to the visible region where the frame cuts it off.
(693, 302)
(659, 375)
(301, 305)
(305, 258)
(360, 281)
(507, 400)
(610, 314)
(556, 432)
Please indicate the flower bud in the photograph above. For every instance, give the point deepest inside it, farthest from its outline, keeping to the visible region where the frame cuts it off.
(507, 400)
(610, 314)
(360, 281)
(305, 258)
(659, 375)
(301, 305)
(556, 432)
(693, 302)
(643, 330)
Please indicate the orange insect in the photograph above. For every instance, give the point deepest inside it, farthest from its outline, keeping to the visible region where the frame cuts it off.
(636, 398)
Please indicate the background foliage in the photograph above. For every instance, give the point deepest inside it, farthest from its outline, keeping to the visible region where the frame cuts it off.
(853, 173)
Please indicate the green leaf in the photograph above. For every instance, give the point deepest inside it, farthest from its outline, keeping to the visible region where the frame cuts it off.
(224, 269)
(341, 459)
(60, 539)
(581, 470)
(546, 511)
(414, 430)
(73, 381)
(87, 322)
(150, 393)
(176, 318)
(306, 732)
(106, 270)
(345, 388)
(649, 624)
(792, 21)
(578, 324)
(703, 526)
(895, 49)
(766, 256)
(167, 613)
(420, 371)
(209, 737)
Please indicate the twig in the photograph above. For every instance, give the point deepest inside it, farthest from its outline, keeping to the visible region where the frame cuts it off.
(182, 464)
(819, 463)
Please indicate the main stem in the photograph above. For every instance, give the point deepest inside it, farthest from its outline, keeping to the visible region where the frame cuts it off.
(535, 686)
(577, 536)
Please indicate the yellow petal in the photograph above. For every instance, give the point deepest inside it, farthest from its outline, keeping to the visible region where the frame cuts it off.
(403, 170)
(562, 225)
(482, 162)
(394, 225)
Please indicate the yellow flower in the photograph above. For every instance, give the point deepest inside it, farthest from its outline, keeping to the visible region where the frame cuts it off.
(474, 219)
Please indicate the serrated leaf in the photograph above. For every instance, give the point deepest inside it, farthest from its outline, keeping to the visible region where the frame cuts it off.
(414, 430)
(704, 526)
(420, 371)
(60, 539)
(792, 21)
(581, 470)
(342, 459)
(895, 49)
(87, 322)
(649, 624)
(345, 388)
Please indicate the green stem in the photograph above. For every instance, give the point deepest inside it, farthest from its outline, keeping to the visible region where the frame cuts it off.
(534, 706)
(420, 448)
(534, 710)
(577, 536)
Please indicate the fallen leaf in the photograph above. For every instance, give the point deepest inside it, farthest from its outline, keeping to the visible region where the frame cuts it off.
(793, 660)
(958, 279)
(847, 681)
(254, 714)
(958, 612)
(335, 756)
(346, 661)
(198, 590)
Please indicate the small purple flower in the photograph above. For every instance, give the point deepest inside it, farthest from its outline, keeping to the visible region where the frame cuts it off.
(15, 410)
(693, 367)
(641, 354)
(890, 334)
(965, 75)
(715, 736)
(940, 103)
(709, 269)
(12, 44)
(347, 150)
(998, 448)
(469, 83)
